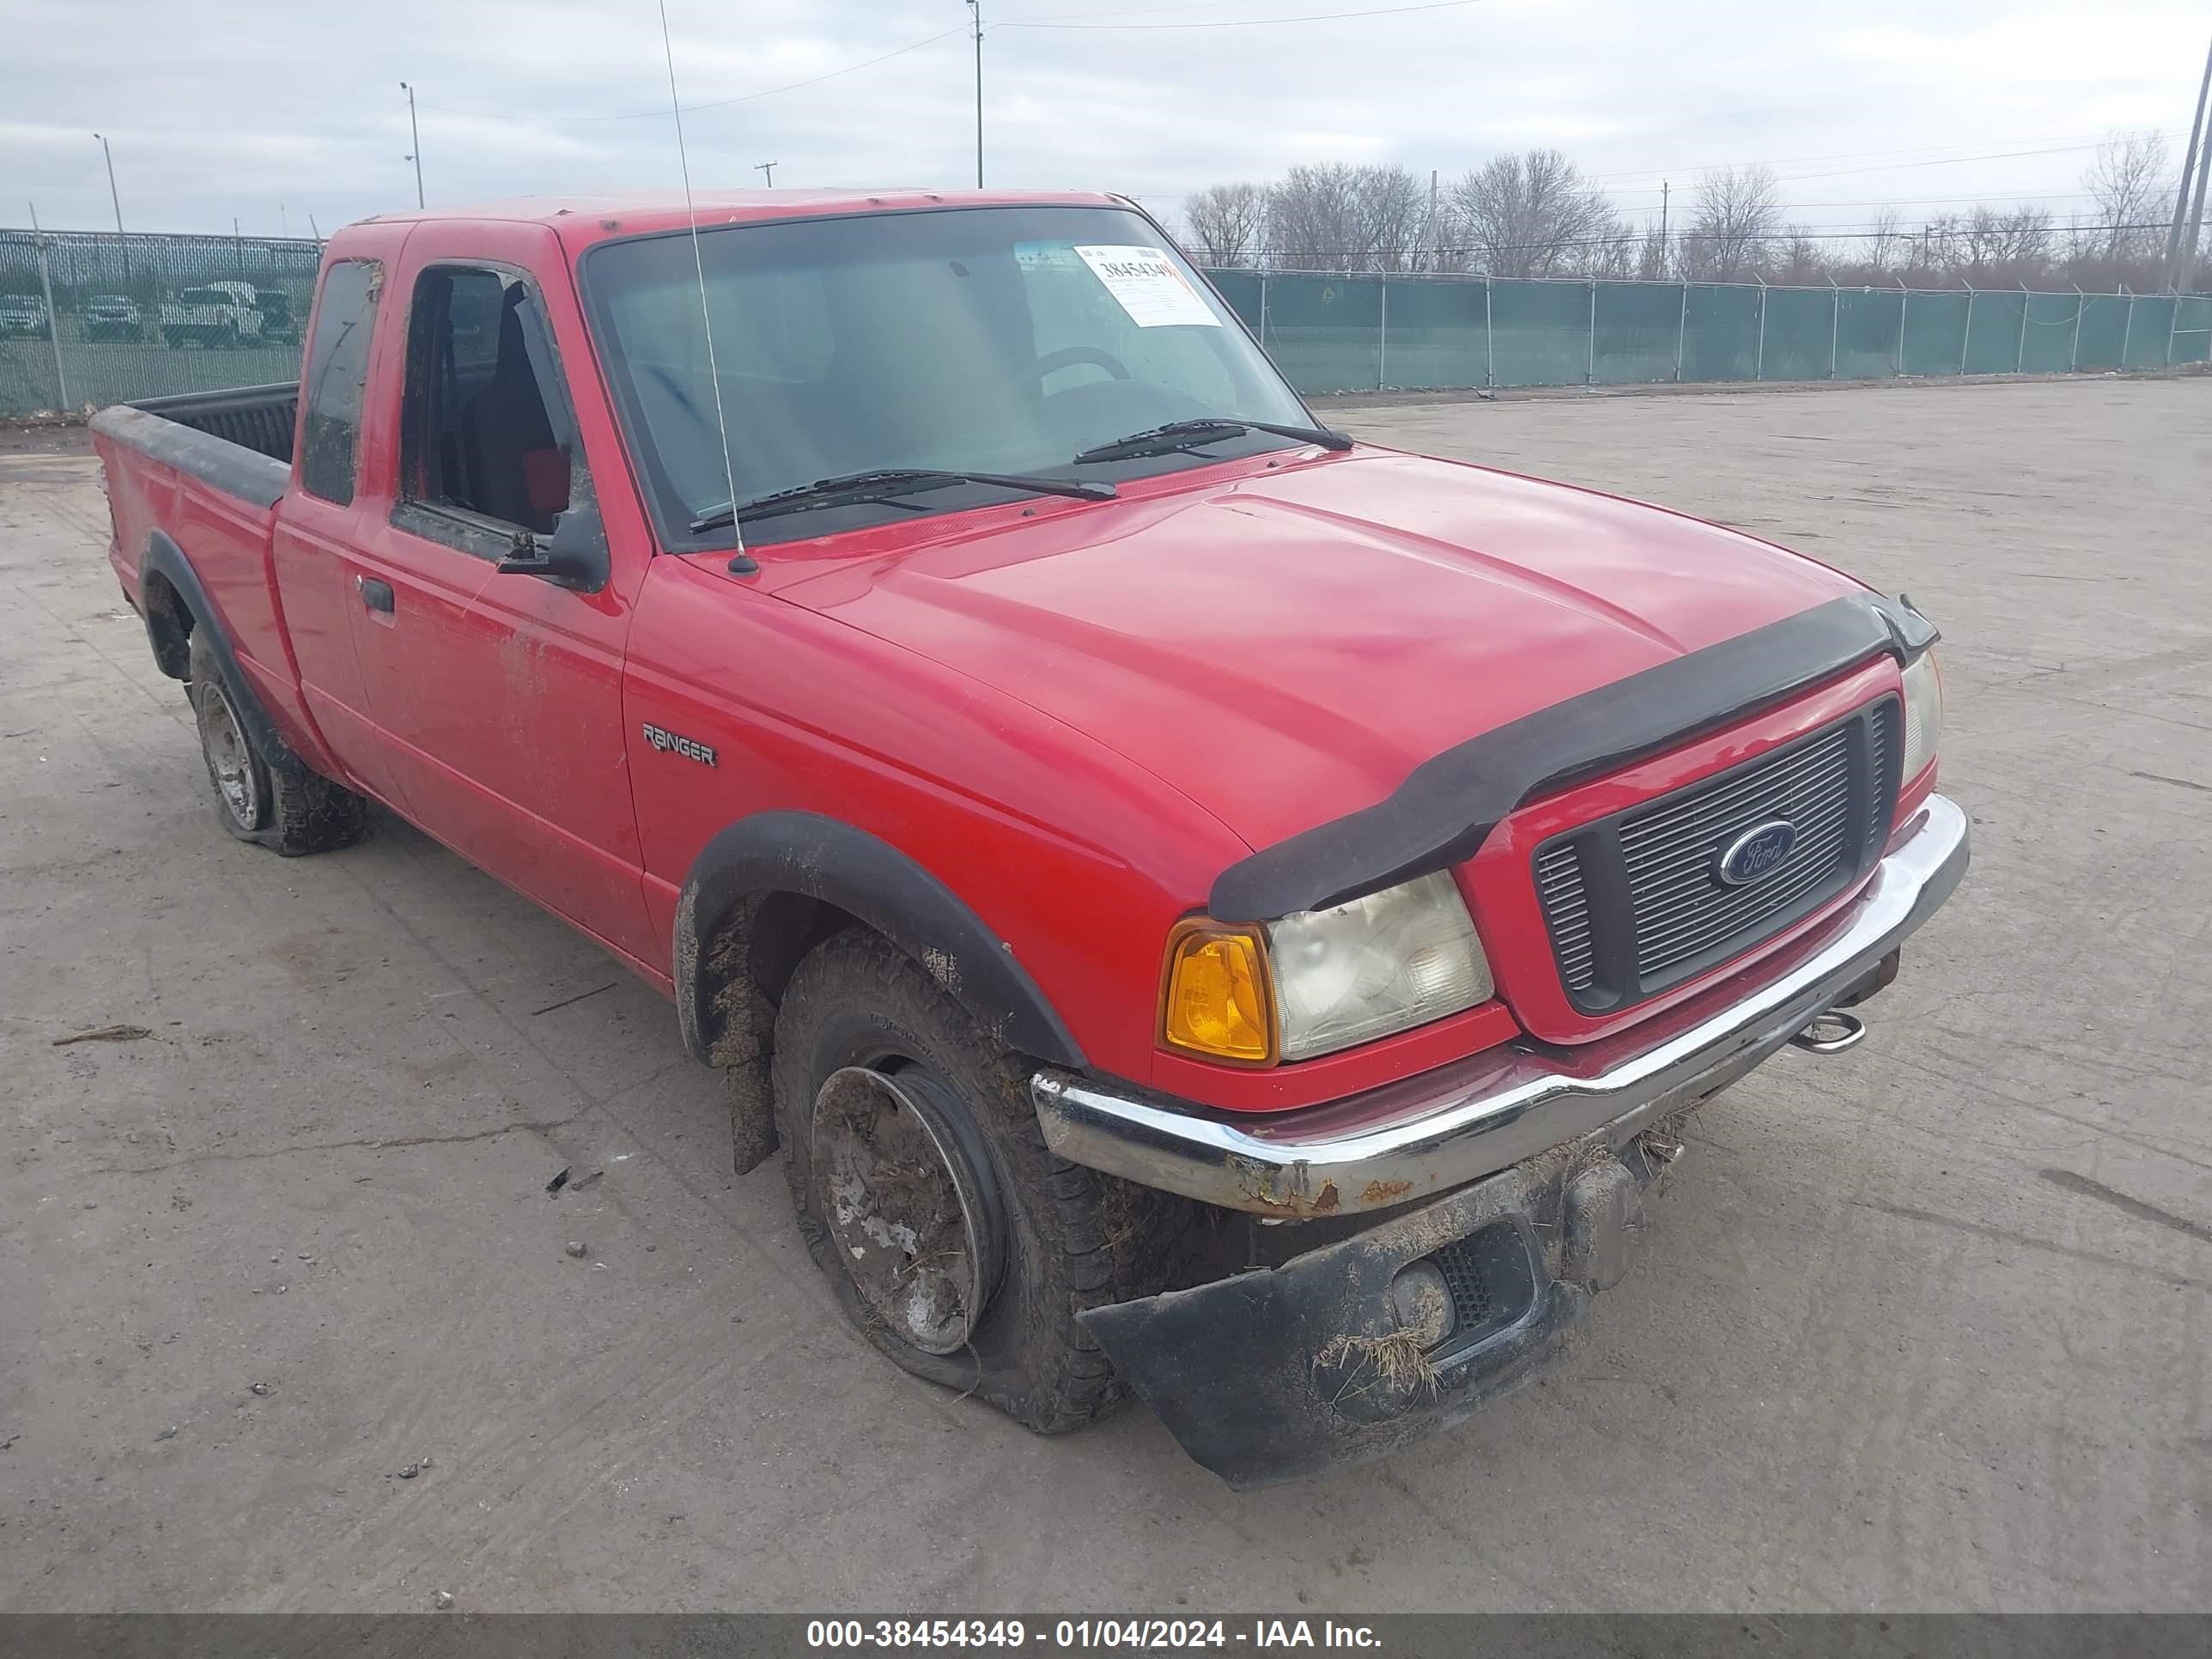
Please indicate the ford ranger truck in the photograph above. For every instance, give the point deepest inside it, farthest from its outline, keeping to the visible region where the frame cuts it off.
(1207, 908)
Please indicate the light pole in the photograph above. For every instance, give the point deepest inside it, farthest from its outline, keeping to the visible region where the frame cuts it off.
(2194, 160)
(116, 202)
(976, 7)
(415, 134)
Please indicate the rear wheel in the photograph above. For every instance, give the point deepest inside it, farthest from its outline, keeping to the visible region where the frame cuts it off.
(271, 800)
(953, 1239)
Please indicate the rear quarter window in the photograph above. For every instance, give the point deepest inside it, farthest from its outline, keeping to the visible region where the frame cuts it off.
(336, 372)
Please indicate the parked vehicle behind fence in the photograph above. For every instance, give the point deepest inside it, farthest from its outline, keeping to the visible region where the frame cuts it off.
(22, 314)
(278, 325)
(110, 317)
(220, 314)
(1206, 907)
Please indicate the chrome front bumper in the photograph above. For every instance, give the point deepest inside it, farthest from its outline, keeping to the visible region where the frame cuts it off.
(1429, 1134)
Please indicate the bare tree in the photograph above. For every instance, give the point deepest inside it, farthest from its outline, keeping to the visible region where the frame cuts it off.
(2129, 182)
(1801, 261)
(1532, 215)
(2001, 247)
(1613, 255)
(1933, 254)
(1225, 222)
(1652, 255)
(1314, 219)
(1883, 246)
(1394, 208)
(1738, 212)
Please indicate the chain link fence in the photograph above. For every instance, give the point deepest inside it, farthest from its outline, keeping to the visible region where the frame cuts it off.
(88, 319)
(1369, 333)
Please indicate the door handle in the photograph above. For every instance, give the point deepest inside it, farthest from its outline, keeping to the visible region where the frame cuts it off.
(376, 595)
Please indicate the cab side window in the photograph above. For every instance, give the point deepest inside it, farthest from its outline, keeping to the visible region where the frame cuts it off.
(486, 431)
(335, 370)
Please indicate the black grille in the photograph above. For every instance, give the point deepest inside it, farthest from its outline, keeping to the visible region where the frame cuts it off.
(1566, 907)
(1491, 1282)
(1635, 903)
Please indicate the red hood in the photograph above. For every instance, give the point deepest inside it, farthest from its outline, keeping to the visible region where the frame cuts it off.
(1284, 648)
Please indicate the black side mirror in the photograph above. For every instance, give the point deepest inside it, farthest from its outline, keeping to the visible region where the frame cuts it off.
(573, 556)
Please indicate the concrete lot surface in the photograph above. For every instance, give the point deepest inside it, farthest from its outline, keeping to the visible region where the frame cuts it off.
(1924, 1325)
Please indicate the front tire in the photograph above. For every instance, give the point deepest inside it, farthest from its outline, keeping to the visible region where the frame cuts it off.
(955, 1241)
(272, 800)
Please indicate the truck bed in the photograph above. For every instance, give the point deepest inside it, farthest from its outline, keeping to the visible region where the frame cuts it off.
(238, 440)
(255, 417)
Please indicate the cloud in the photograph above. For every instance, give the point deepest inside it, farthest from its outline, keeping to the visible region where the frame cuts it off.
(229, 108)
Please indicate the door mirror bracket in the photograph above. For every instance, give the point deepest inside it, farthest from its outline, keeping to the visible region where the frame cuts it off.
(575, 554)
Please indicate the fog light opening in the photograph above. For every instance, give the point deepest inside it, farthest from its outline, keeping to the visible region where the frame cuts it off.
(1423, 1304)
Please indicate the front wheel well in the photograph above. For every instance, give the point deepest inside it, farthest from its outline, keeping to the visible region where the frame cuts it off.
(768, 887)
(744, 968)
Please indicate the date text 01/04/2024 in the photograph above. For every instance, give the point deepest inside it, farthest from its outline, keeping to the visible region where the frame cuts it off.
(1085, 1633)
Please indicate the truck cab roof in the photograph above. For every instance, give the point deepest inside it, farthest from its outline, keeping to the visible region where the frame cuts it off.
(581, 219)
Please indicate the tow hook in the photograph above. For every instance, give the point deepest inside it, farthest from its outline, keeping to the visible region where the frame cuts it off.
(1830, 1033)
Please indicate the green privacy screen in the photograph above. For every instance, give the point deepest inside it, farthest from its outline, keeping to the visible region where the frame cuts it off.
(1369, 333)
(89, 318)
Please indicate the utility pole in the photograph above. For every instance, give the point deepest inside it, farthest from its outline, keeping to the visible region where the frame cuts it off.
(976, 7)
(2196, 226)
(415, 134)
(1666, 191)
(1435, 231)
(2193, 161)
(116, 202)
(769, 167)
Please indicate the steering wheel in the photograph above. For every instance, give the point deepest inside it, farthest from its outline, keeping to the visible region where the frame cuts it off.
(1068, 356)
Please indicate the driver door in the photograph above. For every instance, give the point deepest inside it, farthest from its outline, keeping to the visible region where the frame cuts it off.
(497, 696)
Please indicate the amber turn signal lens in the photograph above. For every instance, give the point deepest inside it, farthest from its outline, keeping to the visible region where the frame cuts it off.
(1214, 997)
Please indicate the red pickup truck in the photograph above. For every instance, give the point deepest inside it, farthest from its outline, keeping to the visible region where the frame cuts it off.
(1206, 907)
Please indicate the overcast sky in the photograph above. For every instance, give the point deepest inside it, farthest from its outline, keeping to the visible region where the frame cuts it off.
(217, 108)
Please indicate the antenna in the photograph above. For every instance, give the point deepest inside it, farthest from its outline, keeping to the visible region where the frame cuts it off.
(699, 265)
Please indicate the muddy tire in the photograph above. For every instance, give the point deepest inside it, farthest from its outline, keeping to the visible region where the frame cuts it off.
(952, 1238)
(271, 800)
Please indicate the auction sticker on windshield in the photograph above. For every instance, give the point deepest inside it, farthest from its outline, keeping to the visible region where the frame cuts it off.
(1146, 284)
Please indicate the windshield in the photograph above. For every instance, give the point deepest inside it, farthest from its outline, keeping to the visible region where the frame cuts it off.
(1001, 339)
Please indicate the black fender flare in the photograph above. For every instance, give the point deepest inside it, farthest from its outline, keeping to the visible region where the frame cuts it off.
(827, 859)
(164, 558)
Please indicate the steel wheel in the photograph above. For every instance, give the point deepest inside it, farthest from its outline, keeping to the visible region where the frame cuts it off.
(230, 762)
(912, 1218)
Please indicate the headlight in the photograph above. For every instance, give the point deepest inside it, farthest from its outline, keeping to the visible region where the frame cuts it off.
(1924, 715)
(1361, 970)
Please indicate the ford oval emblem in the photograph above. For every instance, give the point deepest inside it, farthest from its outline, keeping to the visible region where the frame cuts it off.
(1758, 852)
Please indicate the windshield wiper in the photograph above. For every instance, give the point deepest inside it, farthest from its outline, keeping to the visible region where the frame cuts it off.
(1188, 435)
(884, 484)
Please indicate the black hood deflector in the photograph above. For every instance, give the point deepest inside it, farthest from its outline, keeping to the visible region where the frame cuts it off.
(1449, 804)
